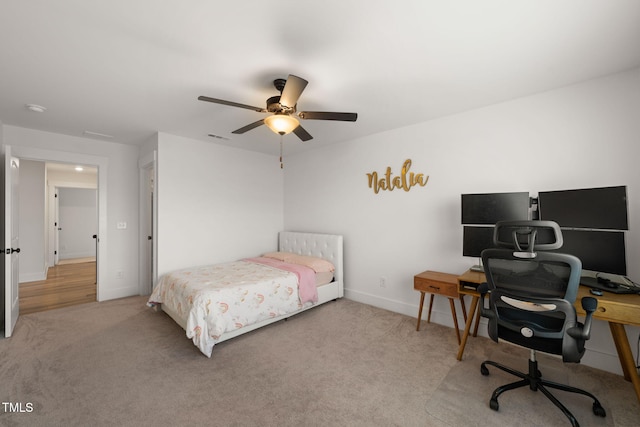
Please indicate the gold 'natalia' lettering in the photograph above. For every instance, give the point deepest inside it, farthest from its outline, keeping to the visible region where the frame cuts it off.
(405, 181)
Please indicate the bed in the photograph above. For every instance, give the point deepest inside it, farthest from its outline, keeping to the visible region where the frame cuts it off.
(214, 303)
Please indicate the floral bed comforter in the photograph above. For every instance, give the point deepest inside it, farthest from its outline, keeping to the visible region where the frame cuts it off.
(220, 298)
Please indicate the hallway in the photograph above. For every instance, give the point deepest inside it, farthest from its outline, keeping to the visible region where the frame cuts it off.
(66, 285)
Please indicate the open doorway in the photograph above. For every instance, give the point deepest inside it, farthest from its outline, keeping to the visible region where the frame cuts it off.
(60, 267)
(12, 222)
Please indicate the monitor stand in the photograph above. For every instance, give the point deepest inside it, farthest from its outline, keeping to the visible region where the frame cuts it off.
(477, 268)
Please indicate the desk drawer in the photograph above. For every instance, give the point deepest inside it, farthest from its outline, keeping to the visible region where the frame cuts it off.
(437, 283)
(612, 307)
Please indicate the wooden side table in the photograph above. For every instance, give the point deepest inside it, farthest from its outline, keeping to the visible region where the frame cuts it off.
(441, 284)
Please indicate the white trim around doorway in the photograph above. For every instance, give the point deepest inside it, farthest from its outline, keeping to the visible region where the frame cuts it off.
(39, 154)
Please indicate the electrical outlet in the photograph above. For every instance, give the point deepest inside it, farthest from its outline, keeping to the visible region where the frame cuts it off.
(383, 282)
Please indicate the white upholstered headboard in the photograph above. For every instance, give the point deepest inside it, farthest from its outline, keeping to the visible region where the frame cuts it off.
(327, 246)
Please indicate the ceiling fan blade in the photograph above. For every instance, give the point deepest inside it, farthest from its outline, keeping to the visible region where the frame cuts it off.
(249, 127)
(292, 91)
(231, 104)
(326, 115)
(302, 133)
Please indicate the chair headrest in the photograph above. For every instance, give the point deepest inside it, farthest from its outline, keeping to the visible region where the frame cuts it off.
(527, 236)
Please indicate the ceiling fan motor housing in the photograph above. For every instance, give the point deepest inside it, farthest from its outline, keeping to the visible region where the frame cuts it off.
(274, 106)
(279, 84)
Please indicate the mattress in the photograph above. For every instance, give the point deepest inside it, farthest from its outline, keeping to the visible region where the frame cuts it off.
(216, 299)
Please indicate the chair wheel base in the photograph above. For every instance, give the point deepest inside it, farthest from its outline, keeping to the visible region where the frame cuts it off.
(599, 410)
(533, 379)
(493, 404)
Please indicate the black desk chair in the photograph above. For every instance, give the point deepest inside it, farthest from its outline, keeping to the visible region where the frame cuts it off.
(531, 296)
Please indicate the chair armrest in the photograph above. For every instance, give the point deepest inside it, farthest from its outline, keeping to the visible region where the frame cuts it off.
(483, 289)
(589, 305)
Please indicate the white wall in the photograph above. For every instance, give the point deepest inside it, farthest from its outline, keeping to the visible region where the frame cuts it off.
(32, 201)
(215, 203)
(580, 136)
(118, 186)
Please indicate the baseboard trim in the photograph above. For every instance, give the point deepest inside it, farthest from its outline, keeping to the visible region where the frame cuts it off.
(35, 276)
(439, 315)
(122, 292)
(82, 254)
(32, 277)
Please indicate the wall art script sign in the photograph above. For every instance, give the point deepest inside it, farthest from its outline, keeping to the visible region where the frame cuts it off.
(406, 180)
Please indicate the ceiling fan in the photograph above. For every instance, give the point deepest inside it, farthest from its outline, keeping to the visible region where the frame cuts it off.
(283, 106)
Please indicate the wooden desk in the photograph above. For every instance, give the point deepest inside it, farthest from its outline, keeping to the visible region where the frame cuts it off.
(618, 310)
(441, 284)
(467, 284)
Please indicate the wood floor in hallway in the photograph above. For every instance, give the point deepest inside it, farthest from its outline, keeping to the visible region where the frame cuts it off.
(66, 285)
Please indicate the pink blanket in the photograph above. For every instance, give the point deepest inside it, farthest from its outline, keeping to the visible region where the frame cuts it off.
(306, 277)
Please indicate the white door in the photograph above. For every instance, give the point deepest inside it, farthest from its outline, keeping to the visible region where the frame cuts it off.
(56, 231)
(147, 222)
(11, 244)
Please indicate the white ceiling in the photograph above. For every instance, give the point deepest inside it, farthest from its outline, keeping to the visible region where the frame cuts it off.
(130, 68)
(71, 169)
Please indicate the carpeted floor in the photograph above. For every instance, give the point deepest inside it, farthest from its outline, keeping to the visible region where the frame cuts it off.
(341, 364)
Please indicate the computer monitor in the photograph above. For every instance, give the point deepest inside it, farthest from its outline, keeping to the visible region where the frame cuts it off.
(593, 208)
(475, 240)
(489, 208)
(599, 251)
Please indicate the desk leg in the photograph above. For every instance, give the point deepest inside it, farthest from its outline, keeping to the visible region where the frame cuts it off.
(430, 307)
(464, 309)
(467, 327)
(455, 318)
(420, 310)
(475, 327)
(625, 355)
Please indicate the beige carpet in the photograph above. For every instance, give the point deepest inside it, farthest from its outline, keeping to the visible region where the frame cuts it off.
(342, 364)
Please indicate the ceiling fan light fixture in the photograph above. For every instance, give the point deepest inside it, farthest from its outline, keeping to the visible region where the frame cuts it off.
(281, 124)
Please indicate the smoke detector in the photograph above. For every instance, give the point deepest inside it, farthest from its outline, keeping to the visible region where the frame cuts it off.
(35, 108)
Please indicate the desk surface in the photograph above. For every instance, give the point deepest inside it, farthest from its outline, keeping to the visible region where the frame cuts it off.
(619, 308)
